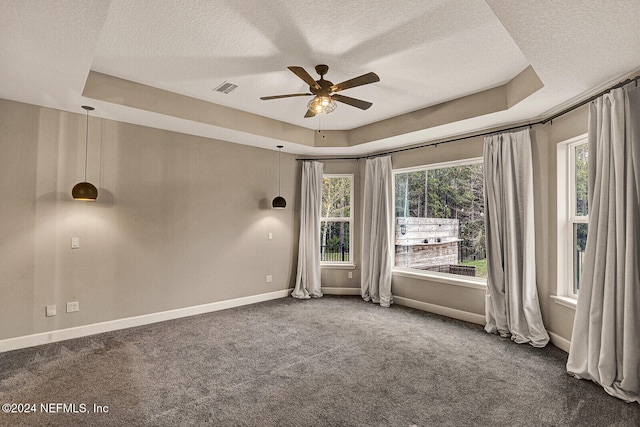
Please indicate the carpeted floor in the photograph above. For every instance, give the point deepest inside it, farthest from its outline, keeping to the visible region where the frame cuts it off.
(334, 361)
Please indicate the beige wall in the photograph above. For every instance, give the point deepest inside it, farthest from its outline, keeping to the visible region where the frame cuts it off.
(180, 220)
(183, 221)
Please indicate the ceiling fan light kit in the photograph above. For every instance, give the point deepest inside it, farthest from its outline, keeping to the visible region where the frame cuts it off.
(322, 105)
(325, 91)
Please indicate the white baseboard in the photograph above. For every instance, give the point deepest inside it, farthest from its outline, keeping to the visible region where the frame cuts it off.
(424, 306)
(558, 341)
(129, 322)
(341, 291)
(439, 309)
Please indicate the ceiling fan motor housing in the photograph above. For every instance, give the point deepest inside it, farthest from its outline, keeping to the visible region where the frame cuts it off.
(325, 86)
(322, 69)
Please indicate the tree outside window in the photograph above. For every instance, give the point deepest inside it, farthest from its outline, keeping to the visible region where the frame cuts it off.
(580, 204)
(440, 219)
(572, 214)
(336, 220)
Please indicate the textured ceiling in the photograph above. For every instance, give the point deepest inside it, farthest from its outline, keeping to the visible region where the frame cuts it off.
(425, 52)
(420, 50)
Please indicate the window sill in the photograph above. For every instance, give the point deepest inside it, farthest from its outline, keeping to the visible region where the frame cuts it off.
(565, 301)
(341, 266)
(466, 282)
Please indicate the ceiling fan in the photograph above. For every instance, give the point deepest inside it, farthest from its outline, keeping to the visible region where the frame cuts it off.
(325, 91)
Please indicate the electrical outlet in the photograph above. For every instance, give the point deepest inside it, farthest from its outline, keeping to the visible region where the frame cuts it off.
(350, 275)
(270, 236)
(51, 310)
(73, 306)
(269, 278)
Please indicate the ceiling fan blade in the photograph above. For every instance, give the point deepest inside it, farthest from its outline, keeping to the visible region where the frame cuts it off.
(264, 98)
(358, 103)
(302, 73)
(309, 114)
(364, 79)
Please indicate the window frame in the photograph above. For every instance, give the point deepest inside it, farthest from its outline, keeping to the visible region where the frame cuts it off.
(446, 278)
(567, 218)
(349, 220)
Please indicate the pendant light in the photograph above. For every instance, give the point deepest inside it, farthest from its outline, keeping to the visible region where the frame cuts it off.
(85, 191)
(279, 202)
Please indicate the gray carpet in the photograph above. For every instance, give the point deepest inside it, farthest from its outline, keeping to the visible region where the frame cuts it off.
(334, 361)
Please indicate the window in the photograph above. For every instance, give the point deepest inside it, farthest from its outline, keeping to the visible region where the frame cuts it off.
(439, 218)
(573, 213)
(336, 222)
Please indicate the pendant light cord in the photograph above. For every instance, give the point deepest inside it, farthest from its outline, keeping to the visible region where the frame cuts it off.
(86, 147)
(279, 171)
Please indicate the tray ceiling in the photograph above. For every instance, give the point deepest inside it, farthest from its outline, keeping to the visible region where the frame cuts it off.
(427, 54)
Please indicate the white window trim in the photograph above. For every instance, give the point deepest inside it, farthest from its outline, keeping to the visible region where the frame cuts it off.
(565, 301)
(342, 264)
(566, 217)
(337, 265)
(441, 165)
(434, 276)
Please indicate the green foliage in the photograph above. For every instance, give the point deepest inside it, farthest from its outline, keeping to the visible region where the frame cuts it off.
(581, 153)
(333, 241)
(582, 179)
(480, 265)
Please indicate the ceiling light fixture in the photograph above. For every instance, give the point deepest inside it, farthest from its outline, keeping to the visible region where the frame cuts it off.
(279, 202)
(322, 105)
(85, 191)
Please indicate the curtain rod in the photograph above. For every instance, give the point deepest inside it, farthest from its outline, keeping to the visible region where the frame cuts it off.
(529, 125)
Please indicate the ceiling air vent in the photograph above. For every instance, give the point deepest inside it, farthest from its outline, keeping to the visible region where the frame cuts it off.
(225, 87)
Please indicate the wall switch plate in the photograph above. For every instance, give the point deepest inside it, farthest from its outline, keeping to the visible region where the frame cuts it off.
(75, 242)
(270, 236)
(269, 278)
(73, 306)
(51, 310)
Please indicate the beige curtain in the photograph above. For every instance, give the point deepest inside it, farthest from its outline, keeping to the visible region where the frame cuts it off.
(377, 237)
(512, 306)
(605, 345)
(308, 277)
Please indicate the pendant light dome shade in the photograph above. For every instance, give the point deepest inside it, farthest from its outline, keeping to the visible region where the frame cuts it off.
(85, 191)
(279, 202)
